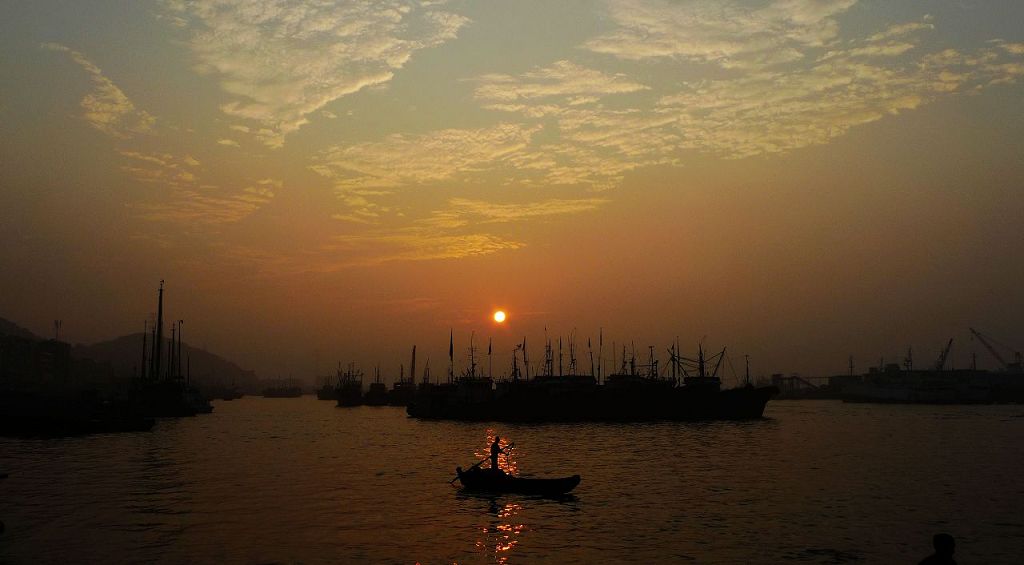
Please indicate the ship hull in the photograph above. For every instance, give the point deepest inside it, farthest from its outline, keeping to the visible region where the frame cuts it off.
(596, 404)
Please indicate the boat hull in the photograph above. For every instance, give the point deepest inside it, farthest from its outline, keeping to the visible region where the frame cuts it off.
(597, 404)
(479, 480)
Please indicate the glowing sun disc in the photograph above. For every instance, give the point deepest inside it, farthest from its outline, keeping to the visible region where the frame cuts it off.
(499, 316)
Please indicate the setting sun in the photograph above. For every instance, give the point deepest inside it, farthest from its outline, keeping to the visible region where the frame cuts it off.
(499, 316)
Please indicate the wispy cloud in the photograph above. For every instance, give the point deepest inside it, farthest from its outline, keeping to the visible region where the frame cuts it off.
(363, 173)
(186, 199)
(461, 212)
(280, 61)
(773, 111)
(204, 208)
(416, 244)
(567, 83)
(723, 32)
(162, 168)
(107, 108)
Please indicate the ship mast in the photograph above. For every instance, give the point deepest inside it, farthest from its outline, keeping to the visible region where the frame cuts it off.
(145, 332)
(158, 348)
(526, 360)
(412, 368)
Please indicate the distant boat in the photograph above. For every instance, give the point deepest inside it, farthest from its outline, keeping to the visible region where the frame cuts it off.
(163, 392)
(627, 396)
(350, 387)
(487, 480)
(327, 392)
(222, 392)
(169, 398)
(283, 391)
(378, 393)
(402, 391)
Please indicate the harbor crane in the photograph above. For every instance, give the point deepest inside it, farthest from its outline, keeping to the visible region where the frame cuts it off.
(986, 341)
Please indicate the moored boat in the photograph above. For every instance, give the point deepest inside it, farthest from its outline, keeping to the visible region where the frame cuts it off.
(350, 387)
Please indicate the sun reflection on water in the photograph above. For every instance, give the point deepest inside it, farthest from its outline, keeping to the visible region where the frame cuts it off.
(500, 535)
(507, 461)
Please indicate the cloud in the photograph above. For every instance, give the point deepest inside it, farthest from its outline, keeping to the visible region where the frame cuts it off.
(416, 244)
(280, 61)
(204, 208)
(363, 173)
(568, 82)
(430, 157)
(773, 111)
(462, 212)
(187, 200)
(723, 32)
(161, 168)
(107, 108)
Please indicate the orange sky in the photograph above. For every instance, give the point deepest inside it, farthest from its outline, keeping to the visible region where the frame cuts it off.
(799, 180)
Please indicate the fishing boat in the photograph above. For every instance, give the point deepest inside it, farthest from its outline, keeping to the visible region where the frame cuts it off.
(283, 388)
(487, 480)
(693, 392)
(378, 393)
(350, 387)
(402, 391)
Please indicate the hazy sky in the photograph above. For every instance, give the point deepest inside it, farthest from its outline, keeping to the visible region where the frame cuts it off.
(318, 180)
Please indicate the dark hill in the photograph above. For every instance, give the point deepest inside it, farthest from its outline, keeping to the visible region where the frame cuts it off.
(8, 327)
(125, 354)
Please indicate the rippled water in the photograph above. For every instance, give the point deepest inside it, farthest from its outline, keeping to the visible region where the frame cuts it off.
(299, 480)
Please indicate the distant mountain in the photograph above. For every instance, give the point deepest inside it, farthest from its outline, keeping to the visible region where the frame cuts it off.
(125, 354)
(8, 327)
(119, 358)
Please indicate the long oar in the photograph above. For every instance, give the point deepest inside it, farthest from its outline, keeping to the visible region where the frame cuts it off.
(480, 462)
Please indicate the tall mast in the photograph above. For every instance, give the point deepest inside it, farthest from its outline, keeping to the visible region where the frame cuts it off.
(675, 363)
(559, 356)
(170, 354)
(526, 360)
(152, 353)
(158, 342)
(180, 322)
(412, 367)
(145, 332)
(590, 351)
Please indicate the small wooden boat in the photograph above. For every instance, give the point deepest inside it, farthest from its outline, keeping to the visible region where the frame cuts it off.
(486, 480)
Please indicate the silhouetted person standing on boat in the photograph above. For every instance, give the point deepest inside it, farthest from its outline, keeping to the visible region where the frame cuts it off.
(495, 451)
(944, 548)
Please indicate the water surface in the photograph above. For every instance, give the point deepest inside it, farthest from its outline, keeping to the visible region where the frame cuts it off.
(301, 481)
